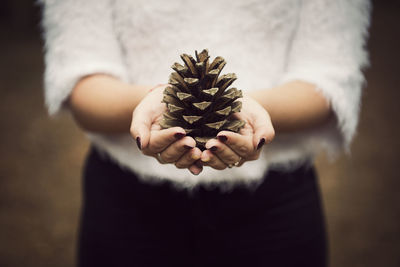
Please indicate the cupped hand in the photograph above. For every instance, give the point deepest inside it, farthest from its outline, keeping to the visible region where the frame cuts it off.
(233, 149)
(166, 145)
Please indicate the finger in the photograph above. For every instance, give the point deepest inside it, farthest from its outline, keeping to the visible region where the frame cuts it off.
(240, 144)
(223, 152)
(140, 129)
(196, 168)
(161, 139)
(241, 162)
(209, 159)
(177, 149)
(188, 158)
(144, 116)
(264, 132)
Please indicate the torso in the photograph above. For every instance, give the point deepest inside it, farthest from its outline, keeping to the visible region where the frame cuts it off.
(253, 36)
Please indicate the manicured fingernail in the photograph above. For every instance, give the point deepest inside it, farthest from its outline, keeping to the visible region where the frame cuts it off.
(187, 147)
(139, 144)
(213, 148)
(179, 135)
(261, 143)
(222, 138)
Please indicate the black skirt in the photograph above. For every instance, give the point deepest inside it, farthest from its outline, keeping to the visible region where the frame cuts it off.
(126, 222)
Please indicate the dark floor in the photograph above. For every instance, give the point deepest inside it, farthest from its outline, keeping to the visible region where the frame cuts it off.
(41, 158)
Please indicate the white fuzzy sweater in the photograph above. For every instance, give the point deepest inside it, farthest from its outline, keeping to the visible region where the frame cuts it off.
(266, 43)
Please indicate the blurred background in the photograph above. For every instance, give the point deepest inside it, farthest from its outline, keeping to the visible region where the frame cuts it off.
(41, 158)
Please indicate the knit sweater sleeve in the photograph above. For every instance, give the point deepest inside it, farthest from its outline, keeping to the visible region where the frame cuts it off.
(328, 51)
(79, 41)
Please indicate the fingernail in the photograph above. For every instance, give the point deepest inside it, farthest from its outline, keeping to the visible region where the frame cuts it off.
(179, 135)
(213, 148)
(139, 144)
(187, 147)
(261, 143)
(222, 138)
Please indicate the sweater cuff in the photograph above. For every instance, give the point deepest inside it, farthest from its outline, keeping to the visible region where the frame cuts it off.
(343, 94)
(60, 81)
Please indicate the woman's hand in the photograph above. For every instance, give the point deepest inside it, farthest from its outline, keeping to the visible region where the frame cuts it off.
(168, 145)
(233, 149)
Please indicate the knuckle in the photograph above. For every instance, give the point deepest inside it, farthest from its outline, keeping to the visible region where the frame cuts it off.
(216, 164)
(161, 162)
(180, 165)
(154, 148)
(220, 167)
(231, 158)
(253, 157)
(243, 149)
(167, 157)
(147, 152)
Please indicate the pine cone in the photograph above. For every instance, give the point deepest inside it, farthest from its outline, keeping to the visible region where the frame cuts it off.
(198, 98)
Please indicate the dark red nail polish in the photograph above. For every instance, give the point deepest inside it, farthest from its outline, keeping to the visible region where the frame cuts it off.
(179, 135)
(222, 138)
(187, 147)
(261, 143)
(213, 148)
(139, 144)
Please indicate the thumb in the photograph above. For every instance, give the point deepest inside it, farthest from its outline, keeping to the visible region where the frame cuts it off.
(140, 129)
(264, 131)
